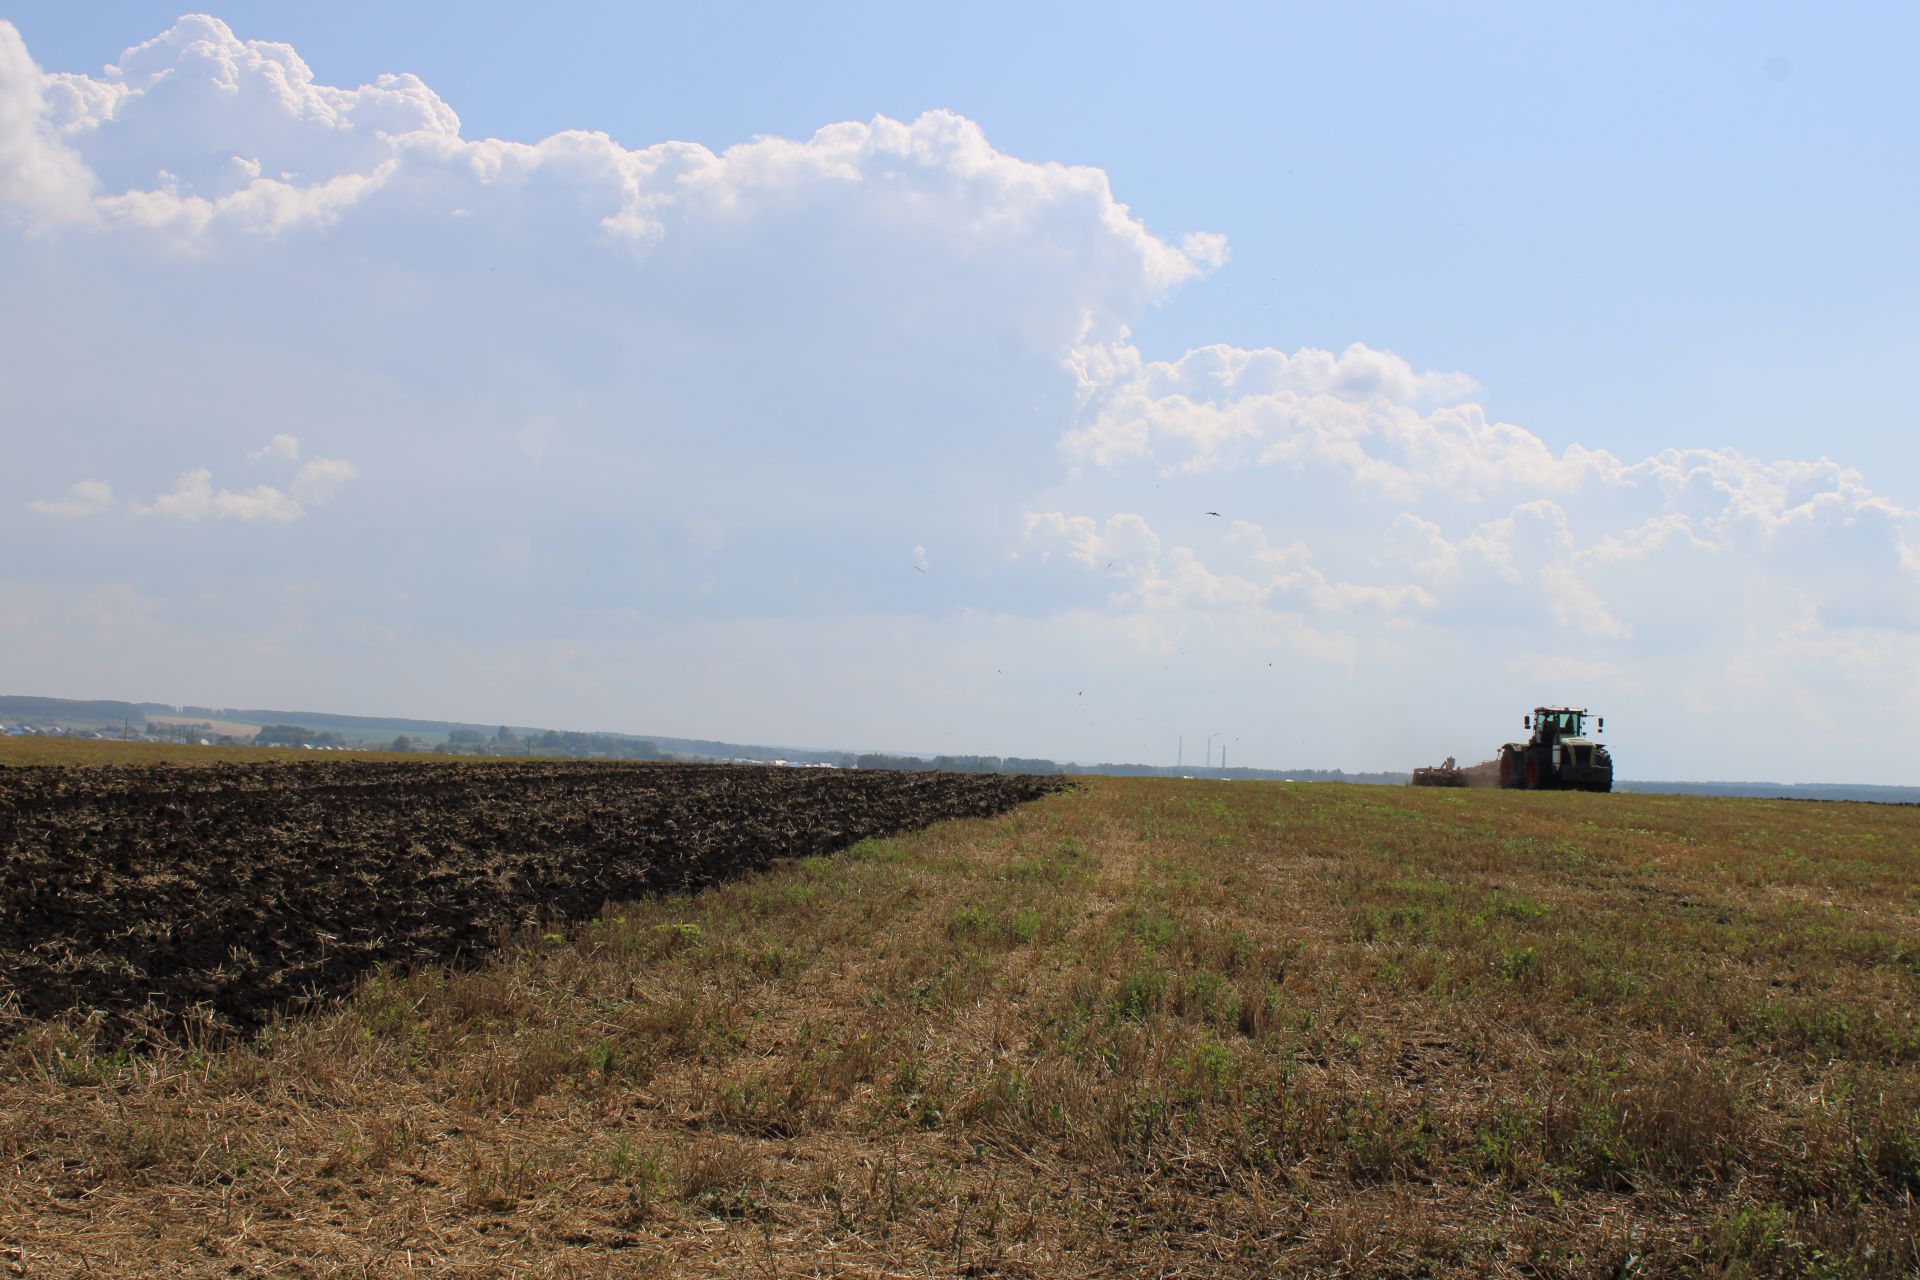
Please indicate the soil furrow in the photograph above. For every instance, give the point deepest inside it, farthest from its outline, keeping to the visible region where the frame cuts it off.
(247, 888)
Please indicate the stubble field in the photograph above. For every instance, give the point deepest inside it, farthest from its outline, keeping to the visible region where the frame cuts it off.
(1141, 1027)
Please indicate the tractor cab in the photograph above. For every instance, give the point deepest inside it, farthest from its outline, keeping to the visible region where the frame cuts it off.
(1550, 724)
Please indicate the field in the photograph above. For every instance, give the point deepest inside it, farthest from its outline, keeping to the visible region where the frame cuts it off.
(232, 728)
(1137, 1028)
(148, 894)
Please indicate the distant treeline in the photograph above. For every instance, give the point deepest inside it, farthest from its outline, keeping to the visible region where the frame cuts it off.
(294, 735)
(1238, 775)
(505, 741)
(1024, 764)
(952, 764)
(1862, 792)
(711, 749)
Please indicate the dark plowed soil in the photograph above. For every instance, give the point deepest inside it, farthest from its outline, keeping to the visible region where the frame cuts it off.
(248, 888)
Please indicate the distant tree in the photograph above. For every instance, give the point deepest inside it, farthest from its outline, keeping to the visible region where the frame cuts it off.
(880, 760)
(967, 764)
(465, 738)
(401, 743)
(504, 734)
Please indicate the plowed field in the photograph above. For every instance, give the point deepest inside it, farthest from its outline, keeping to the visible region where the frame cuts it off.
(249, 888)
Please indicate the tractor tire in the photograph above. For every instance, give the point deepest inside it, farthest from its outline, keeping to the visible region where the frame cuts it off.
(1533, 773)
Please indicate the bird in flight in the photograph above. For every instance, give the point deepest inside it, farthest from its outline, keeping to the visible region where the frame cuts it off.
(1210, 513)
(919, 568)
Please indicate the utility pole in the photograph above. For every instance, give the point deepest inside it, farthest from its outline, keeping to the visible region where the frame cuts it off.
(1180, 752)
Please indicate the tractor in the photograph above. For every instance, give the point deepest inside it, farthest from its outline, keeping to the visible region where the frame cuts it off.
(1558, 757)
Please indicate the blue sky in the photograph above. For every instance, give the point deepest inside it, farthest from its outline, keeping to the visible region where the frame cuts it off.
(537, 454)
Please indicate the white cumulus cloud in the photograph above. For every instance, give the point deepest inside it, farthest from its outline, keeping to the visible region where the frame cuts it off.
(202, 133)
(284, 448)
(1253, 573)
(1490, 522)
(87, 497)
(1366, 414)
(320, 480)
(42, 180)
(1121, 539)
(194, 497)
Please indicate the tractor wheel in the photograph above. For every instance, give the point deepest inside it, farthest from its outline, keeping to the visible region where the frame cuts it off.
(1533, 773)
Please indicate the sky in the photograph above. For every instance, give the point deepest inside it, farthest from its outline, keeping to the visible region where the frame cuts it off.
(1336, 382)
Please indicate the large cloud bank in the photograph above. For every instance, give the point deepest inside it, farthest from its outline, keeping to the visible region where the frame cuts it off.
(1483, 520)
(202, 135)
(841, 439)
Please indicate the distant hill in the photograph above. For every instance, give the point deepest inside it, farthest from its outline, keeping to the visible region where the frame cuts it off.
(373, 729)
(105, 711)
(418, 728)
(327, 720)
(67, 710)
